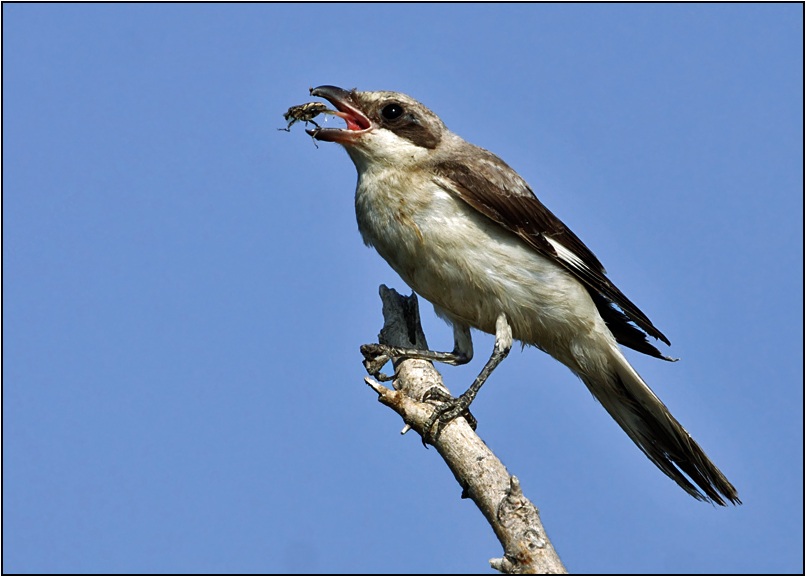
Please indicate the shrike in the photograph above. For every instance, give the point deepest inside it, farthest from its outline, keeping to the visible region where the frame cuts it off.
(467, 233)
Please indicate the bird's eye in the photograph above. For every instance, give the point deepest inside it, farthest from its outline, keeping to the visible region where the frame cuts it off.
(392, 111)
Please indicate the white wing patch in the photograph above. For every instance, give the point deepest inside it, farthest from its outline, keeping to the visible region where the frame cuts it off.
(568, 257)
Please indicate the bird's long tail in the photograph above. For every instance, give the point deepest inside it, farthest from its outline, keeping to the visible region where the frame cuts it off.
(657, 433)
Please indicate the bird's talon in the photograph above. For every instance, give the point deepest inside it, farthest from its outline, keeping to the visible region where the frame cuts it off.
(375, 357)
(450, 409)
(437, 394)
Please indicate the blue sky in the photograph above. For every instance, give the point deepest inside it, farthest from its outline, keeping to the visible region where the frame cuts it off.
(185, 290)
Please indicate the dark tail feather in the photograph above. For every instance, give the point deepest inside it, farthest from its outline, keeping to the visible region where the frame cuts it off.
(657, 433)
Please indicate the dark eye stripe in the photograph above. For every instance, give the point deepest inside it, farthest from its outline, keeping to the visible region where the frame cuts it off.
(418, 134)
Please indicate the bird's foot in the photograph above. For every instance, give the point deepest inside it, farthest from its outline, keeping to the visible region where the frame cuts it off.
(375, 357)
(449, 409)
(452, 408)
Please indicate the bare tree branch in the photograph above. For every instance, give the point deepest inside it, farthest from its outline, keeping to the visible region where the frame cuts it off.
(483, 477)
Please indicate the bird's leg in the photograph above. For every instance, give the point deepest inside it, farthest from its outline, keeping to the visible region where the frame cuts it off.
(453, 408)
(377, 355)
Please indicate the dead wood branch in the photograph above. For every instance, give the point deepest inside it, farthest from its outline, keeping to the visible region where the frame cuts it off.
(482, 476)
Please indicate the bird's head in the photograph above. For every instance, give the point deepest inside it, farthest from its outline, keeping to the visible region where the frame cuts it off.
(382, 127)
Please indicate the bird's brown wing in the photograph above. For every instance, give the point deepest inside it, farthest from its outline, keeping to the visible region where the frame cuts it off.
(491, 187)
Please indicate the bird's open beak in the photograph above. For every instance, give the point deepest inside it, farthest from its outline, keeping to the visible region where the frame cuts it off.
(346, 108)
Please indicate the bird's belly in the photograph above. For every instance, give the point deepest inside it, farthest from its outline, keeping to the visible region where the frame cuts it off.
(472, 269)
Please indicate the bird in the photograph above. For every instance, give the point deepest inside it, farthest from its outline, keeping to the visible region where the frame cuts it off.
(467, 233)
